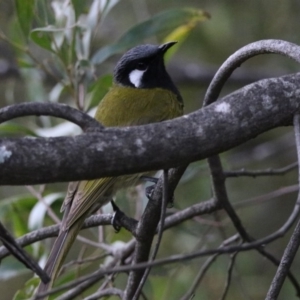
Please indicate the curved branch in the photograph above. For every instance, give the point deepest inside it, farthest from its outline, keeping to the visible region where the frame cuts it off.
(218, 178)
(208, 131)
(58, 110)
(235, 60)
(293, 245)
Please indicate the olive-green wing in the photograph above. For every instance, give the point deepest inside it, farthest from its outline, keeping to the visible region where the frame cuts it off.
(87, 194)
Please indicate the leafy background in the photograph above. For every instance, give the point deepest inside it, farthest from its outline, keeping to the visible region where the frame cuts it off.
(57, 53)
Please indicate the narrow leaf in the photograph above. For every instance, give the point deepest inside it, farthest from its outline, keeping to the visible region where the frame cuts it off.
(180, 34)
(160, 24)
(42, 37)
(11, 128)
(37, 214)
(25, 13)
(99, 89)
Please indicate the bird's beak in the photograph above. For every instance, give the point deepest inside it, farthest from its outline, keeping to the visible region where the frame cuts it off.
(164, 47)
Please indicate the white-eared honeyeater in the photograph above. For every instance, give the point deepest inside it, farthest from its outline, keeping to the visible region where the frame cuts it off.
(142, 93)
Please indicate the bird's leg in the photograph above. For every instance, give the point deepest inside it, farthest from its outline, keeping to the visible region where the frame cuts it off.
(115, 222)
(149, 189)
(120, 220)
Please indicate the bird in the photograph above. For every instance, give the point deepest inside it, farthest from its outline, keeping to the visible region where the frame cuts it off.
(142, 92)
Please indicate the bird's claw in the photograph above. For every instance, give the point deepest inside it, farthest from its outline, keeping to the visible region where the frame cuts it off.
(149, 191)
(115, 221)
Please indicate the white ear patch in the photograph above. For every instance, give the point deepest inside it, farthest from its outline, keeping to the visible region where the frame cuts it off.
(135, 77)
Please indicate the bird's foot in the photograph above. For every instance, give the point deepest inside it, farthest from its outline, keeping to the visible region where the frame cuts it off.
(120, 220)
(118, 214)
(149, 192)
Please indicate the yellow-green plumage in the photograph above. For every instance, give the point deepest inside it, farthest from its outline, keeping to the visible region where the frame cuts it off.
(141, 106)
(137, 109)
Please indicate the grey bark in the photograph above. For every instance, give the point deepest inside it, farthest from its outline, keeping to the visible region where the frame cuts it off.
(218, 127)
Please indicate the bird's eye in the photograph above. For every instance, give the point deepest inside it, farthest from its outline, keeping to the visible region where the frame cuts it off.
(141, 66)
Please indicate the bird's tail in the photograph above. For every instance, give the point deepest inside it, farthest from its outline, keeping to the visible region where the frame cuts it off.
(58, 254)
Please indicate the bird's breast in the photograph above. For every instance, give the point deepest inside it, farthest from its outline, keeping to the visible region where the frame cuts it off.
(126, 106)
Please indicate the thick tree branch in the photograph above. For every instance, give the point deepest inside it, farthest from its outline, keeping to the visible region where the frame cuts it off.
(280, 47)
(225, 124)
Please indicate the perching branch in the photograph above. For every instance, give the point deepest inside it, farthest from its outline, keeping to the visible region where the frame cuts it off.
(213, 129)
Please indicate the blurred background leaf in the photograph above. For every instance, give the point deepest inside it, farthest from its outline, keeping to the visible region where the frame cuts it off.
(25, 13)
(158, 25)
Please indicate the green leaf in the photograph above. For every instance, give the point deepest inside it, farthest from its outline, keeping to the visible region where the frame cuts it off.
(22, 63)
(27, 292)
(25, 202)
(19, 221)
(180, 33)
(25, 13)
(99, 89)
(42, 37)
(107, 7)
(79, 7)
(11, 128)
(160, 24)
(37, 214)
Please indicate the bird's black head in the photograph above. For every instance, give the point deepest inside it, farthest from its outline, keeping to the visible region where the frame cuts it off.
(143, 67)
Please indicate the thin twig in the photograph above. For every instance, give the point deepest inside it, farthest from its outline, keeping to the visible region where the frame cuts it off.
(107, 292)
(220, 192)
(294, 242)
(204, 207)
(229, 275)
(285, 264)
(262, 47)
(146, 228)
(82, 285)
(205, 267)
(160, 233)
(52, 231)
(83, 261)
(258, 173)
(92, 278)
(14, 248)
(266, 197)
(28, 52)
(40, 198)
